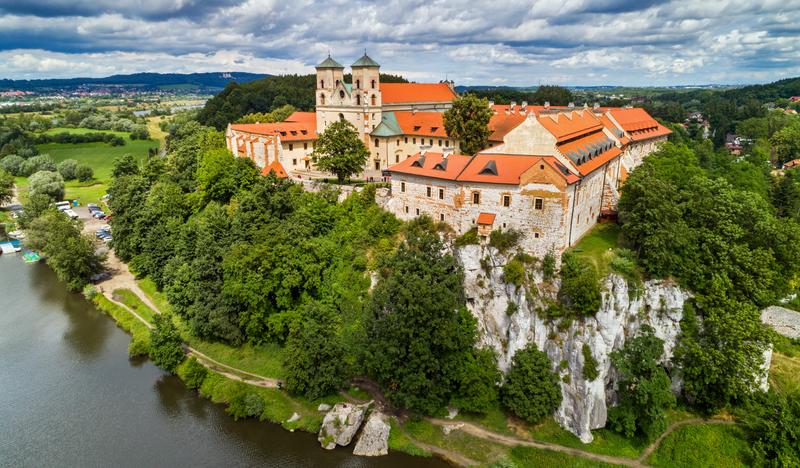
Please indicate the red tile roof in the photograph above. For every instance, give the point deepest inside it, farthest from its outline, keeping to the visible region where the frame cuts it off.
(401, 93)
(579, 151)
(501, 123)
(638, 123)
(300, 126)
(432, 165)
(277, 167)
(422, 123)
(570, 124)
(497, 168)
(486, 219)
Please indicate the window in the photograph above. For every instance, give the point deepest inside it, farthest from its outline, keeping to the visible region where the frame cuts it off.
(373, 84)
(441, 194)
(406, 139)
(358, 99)
(403, 189)
(441, 217)
(291, 146)
(322, 99)
(447, 143)
(504, 225)
(341, 94)
(374, 99)
(396, 158)
(294, 162)
(341, 116)
(414, 141)
(337, 82)
(536, 235)
(305, 145)
(476, 198)
(428, 191)
(538, 203)
(398, 142)
(430, 142)
(358, 84)
(377, 165)
(440, 142)
(321, 83)
(417, 211)
(406, 208)
(377, 142)
(506, 200)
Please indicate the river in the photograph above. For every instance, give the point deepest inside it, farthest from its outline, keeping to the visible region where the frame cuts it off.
(70, 396)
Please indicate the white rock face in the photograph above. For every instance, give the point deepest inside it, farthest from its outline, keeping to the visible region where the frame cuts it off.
(507, 329)
(782, 320)
(341, 424)
(374, 438)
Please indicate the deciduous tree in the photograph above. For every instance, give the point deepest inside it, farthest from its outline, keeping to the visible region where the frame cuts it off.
(340, 151)
(468, 122)
(531, 390)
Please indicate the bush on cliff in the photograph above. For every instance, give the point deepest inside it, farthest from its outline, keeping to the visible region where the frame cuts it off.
(531, 390)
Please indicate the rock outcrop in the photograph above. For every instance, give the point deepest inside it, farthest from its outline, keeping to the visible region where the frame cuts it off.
(508, 320)
(782, 320)
(374, 438)
(341, 424)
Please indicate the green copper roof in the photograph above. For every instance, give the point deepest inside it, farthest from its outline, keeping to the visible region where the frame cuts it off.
(388, 126)
(348, 87)
(330, 63)
(365, 61)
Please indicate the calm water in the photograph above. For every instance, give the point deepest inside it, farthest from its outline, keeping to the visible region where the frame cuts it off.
(69, 396)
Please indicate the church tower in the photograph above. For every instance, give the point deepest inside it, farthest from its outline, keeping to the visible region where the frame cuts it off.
(330, 77)
(367, 93)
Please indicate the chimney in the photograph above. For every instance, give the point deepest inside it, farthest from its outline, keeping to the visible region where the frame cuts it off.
(523, 105)
(512, 105)
(424, 149)
(546, 104)
(571, 105)
(447, 152)
(596, 106)
(413, 110)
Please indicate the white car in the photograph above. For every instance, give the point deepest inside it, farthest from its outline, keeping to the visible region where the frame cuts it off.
(72, 214)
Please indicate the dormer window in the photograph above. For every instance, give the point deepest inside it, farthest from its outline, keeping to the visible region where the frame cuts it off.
(420, 162)
(416, 128)
(489, 169)
(441, 166)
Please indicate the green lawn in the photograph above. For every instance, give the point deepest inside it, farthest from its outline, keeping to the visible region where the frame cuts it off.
(82, 131)
(597, 245)
(100, 156)
(480, 450)
(714, 445)
(529, 457)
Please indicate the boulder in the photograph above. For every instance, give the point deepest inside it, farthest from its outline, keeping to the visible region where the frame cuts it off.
(341, 424)
(374, 438)
(323, 407)
(294, 418)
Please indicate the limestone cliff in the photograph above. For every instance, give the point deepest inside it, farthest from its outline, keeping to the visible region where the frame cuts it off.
(510, 328)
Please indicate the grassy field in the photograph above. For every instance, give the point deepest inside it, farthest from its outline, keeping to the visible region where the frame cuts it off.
(784, 374)
(597, 244)
(82, 131)
(155, 131)
(702, 445)
(140, 334)
(529, 457)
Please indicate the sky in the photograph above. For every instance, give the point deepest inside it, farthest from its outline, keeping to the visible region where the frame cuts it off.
(473, 42)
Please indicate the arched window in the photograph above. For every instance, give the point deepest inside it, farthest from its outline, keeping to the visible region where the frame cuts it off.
(377, 142)
(374, 100)
(341, 94)
(373, 84)
(337, 82)
(358, 99)
(358, 84)
(321, 83)
(341, 116)
(322, 99)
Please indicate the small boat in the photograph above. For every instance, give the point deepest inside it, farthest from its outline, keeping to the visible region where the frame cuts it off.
(31, 256)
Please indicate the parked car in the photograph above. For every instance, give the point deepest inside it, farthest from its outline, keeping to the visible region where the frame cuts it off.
(92, 206)
(98, 215)
(102, 276)
(63, 205)
(71, 213)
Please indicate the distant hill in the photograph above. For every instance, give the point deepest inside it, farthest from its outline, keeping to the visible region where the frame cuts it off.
(214, 81)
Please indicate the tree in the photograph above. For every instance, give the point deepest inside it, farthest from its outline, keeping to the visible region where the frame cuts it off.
(772, 422)
(166, 346)
(314, 359)
(340, 151)
(48, 183)
(643, 388)
(555, 95)
(33, 207)
(6, 187)
(36, 164)
(84, 172)
(71, 255)
(12, 164)
(220, 175)
(531, 390)
(125, 165)
(468, 122)
(419, 333)
(580, 286)
(786, 143)
(478, 383)
(68, 169)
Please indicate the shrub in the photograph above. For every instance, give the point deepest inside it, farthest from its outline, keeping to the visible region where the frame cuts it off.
(89, 292)
(166, 346)
(194, 374)
(504, 240)
(511, 309)
(771, 421)
(590, 371)
(68, 169)
(624, 264)
(514, 273)
(246, 405)
(580, 286)
(468, 238)
(549, 266)
(12, 164)
(47, 183)
(84, 173)
(37, 164)
(531, 390)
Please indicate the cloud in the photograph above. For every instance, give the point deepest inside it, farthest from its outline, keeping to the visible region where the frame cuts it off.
(522, 42)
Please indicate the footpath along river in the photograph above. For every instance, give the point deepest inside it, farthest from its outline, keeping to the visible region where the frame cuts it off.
(69, 396)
